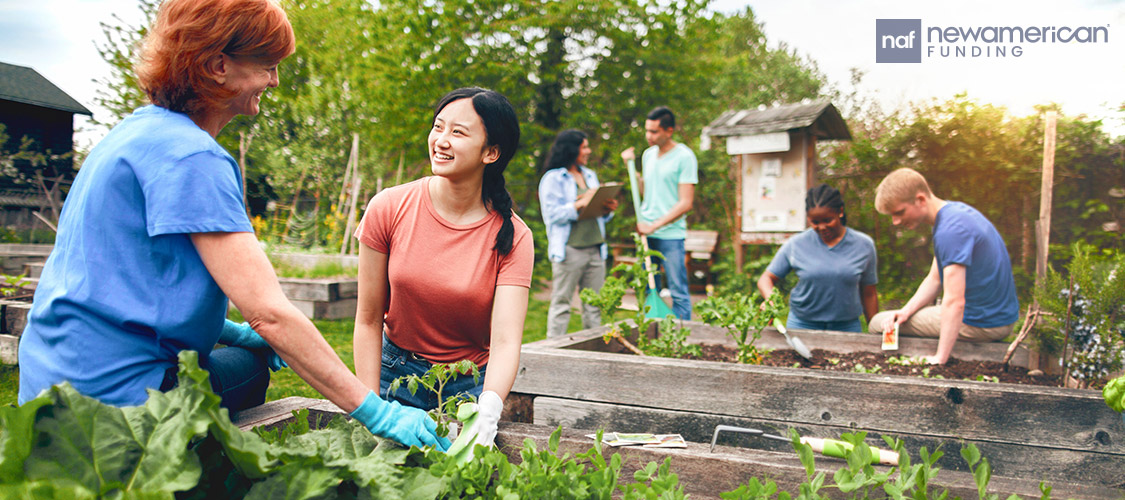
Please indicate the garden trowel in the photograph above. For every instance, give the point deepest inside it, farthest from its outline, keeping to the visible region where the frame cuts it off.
(827, 447)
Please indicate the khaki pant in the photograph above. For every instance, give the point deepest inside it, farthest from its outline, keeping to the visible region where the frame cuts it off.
(927, 323)
(582, 268)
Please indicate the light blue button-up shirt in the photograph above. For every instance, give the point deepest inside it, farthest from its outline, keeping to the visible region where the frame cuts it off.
(557, 193)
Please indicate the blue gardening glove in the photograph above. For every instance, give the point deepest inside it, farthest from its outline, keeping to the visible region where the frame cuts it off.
(407, 425)
(241, 335)
(488, 408)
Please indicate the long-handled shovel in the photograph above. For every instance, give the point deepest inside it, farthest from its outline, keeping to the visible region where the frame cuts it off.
(656, 307)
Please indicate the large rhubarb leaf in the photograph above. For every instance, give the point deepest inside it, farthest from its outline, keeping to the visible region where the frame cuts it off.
(17, 432)
(134, 450)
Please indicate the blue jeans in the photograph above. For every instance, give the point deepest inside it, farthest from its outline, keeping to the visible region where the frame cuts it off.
(838, 326)
(239, 376)
(675, 272)
(398, 362)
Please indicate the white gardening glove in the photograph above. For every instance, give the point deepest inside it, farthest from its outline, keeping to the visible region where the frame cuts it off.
(488, 408)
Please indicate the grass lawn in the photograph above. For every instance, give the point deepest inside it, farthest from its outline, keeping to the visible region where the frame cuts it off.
(286, 383)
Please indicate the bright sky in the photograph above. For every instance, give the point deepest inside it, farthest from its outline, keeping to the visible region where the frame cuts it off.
(57, 37)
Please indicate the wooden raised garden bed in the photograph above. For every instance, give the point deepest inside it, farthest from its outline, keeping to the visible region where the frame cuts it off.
(1029, 433)
(322, 298)
(703, 473)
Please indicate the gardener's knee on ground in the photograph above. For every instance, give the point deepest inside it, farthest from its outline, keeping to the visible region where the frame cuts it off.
(876, 325)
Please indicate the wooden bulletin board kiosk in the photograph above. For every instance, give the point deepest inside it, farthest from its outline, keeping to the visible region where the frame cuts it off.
(773, 165)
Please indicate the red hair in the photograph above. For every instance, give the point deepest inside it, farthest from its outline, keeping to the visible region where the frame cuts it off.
(188, 33)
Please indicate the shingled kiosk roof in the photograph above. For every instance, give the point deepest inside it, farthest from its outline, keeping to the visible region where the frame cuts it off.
(822, 116)
(22, 84)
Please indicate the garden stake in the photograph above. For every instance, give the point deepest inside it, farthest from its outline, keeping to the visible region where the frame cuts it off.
(827, 447)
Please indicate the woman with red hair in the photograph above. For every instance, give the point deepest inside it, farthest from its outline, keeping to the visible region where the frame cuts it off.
(154, 238)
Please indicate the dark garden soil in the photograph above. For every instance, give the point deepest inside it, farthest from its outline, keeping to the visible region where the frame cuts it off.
(879, 363)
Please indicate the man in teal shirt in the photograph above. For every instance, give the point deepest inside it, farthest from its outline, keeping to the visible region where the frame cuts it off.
(668, 177)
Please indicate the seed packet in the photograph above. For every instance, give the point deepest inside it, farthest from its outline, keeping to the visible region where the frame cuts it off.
(642, 439)
(890, 339)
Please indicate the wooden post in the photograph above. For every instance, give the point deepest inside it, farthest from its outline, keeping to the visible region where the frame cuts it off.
(352, 175)
(350, 171)
(736, 231)
(1043, 225)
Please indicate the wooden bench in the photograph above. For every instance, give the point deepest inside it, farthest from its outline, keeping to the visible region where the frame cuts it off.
(699, 255)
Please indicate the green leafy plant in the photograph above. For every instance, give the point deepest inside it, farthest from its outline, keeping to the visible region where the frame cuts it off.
(905, 360)
(182, 444)
(634, 276)
(672, 341)
(435, 380)
(859, 479)
(988, 378)
(13, 284)
(1085, 320)
(859, 368)
(743, 318)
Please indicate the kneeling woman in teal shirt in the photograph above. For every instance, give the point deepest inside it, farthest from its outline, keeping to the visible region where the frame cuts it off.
(835, 266)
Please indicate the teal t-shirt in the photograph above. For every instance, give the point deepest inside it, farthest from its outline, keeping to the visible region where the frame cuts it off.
(663, 176)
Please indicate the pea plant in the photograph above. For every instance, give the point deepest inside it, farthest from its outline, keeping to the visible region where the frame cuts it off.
(435, 380)
(743, 318)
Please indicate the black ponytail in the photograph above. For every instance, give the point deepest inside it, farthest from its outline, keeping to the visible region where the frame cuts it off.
(826, 196)
(503, 130)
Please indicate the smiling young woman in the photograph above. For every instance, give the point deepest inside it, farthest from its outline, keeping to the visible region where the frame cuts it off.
(445, 266)
(835, 266)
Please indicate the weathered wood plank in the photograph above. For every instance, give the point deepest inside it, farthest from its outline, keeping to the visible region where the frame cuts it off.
(279, 412)
(39, 249)
(9, 349)
(1041, 416)
(343, 308)
(14, 316)
(313, 289)
(704, 474)
(33, 269)
(1056, 465)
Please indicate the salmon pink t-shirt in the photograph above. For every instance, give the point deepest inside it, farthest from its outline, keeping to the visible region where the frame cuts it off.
(443, 276)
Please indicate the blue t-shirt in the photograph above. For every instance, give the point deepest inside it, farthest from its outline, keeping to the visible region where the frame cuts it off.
(828, 278)
(962, 235)
(124, 289)
(663, 176)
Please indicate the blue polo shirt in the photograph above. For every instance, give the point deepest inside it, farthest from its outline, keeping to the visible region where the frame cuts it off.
(124, 289)
(962, 235)
(828, 278)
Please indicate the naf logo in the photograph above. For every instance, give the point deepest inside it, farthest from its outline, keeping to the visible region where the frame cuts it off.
(898, 40)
